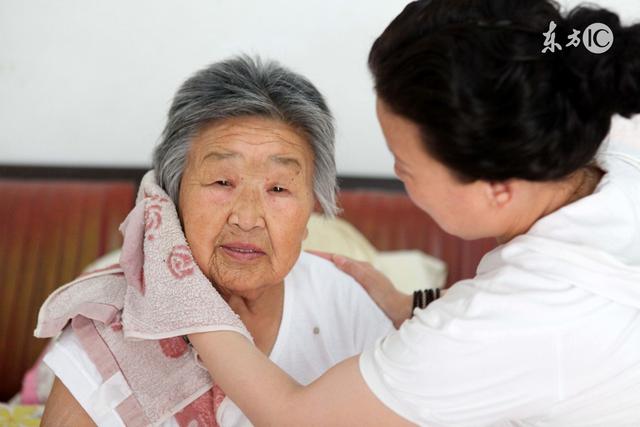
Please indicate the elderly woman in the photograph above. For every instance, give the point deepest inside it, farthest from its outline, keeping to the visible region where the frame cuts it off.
(246, 154)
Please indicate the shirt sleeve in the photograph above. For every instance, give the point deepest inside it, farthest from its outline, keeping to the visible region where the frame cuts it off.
(71, 364)
(434, 372)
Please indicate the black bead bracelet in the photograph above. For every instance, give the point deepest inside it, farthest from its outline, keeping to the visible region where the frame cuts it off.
(424, 297)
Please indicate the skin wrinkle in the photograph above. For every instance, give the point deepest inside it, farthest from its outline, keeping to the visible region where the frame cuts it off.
(229, 194)
(213, 156)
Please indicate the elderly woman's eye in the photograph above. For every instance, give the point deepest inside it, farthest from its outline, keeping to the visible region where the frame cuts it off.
(223, 182)
(278, 189)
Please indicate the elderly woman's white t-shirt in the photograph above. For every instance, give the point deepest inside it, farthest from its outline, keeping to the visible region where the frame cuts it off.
(327, 317)
(546, 334)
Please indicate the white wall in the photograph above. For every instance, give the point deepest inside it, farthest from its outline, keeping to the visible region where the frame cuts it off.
(88, 82)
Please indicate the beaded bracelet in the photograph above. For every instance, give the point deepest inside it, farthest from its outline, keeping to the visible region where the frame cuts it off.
(424, 297)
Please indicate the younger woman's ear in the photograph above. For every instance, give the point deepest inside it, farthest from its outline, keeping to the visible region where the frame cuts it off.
(499, 193)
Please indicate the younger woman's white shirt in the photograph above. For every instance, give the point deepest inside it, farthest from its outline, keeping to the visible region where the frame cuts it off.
(327, 317)
(546, 334)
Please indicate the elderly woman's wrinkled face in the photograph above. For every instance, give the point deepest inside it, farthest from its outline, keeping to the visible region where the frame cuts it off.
(245, 198)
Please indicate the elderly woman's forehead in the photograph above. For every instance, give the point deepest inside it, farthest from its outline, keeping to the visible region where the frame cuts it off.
(253, 131)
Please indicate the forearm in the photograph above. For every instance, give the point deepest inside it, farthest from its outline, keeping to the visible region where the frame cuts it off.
(401, 310)
(258, 386)
(62, 409)
(269, 397)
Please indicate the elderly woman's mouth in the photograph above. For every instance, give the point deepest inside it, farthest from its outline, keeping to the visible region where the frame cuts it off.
(242, 251)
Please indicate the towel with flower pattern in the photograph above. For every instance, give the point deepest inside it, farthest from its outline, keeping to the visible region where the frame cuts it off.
(131, 317)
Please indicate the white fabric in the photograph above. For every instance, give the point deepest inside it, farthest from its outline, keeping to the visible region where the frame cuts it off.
(337, 236)
(327, 317)
(72, 365)
(411, 270)
(408, 270)
(546, 334)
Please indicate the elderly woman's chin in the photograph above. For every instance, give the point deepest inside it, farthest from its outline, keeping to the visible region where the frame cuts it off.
(246, 275)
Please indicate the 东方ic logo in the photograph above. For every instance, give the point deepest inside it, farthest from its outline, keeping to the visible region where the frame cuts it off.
(597, 38)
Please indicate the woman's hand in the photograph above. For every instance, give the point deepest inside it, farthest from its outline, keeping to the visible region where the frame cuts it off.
(395, 304)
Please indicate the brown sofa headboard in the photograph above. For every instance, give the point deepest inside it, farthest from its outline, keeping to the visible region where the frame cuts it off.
(51, 229)
(391, 221)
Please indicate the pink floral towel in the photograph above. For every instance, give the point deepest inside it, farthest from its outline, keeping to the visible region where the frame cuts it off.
(168, 295)
(130, 318)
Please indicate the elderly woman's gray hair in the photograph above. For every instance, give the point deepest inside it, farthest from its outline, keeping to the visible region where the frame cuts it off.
(244, 86)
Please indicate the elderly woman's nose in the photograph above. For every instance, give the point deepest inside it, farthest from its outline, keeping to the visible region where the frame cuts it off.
(247, 211)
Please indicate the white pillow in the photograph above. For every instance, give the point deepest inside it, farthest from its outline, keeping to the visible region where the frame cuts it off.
(409, 270)
(412, 270)
(337, 236)
(106, 260)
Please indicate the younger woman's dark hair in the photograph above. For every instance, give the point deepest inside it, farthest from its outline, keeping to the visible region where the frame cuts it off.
(490, 104)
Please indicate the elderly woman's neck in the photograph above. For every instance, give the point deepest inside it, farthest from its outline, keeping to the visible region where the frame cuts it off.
(261, 313)
(256, 303)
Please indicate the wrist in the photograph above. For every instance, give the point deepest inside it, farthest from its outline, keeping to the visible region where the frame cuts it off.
(403, 308)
